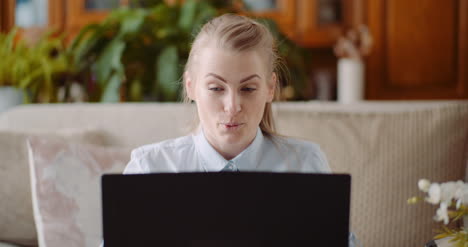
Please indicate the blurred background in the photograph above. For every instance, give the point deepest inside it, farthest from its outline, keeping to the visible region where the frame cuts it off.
(131, 51)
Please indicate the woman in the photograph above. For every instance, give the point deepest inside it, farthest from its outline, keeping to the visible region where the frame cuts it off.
(232, 76)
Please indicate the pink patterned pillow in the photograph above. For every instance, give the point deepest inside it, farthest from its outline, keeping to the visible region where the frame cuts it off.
(66, 191)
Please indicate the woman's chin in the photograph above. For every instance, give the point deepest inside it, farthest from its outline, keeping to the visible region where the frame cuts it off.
(232, 135)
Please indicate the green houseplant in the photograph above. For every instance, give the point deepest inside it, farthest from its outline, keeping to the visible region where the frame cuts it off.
(32, 68)
(138, 54)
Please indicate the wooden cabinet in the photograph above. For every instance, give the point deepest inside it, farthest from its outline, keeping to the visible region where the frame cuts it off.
(62, 15)
(75, 14)
(2, 24)
(7, 9)
(420, 49)
(321, 22)
(310, 23)
(282, 11)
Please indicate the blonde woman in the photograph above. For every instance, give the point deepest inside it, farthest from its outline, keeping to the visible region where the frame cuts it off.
(232, 76)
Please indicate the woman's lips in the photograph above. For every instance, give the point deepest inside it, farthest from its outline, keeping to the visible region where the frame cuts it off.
(232, 126)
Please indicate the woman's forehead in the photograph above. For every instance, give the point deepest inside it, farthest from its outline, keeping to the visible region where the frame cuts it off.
(213, 59)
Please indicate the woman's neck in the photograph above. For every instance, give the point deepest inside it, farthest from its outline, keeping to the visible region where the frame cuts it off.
(228, 150)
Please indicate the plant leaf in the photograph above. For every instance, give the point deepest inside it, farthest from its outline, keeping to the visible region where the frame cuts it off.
(132, 22)
(82, 34)
(110, 60)
(111, 93)
(167, 70)
(85, 40)
(442, 235)
(205, 12)
(9, 40)
(187, 15)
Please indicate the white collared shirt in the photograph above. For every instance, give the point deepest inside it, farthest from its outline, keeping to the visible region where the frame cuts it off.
(193, 153)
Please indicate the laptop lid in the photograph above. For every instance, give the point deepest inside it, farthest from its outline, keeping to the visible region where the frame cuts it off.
(226, 209)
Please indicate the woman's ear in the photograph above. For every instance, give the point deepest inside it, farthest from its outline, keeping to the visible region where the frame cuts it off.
(189, 86)
(272, 87)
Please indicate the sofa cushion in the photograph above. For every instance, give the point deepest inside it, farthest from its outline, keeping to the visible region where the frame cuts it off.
(387, 151)
(16, 215)
(65, 180)
(2, 244)
(126, 125)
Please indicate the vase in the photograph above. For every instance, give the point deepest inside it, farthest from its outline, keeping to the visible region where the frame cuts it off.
(9, 97)
(350, 80)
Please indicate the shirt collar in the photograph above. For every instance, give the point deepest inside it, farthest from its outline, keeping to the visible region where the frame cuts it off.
(213, 161)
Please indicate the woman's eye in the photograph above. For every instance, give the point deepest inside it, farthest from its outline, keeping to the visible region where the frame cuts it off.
(216, 89)
(248, 89)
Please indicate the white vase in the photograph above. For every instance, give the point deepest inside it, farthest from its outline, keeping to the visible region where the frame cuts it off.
(350, 80)
(9, 97)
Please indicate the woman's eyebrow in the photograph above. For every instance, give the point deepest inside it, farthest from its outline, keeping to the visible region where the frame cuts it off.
(250, 77)
(241, 81)
(216, 76)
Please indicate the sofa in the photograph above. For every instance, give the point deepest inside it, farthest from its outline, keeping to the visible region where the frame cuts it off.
(386, 146)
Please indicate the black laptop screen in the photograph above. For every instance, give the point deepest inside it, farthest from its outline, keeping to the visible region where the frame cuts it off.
(226, 209)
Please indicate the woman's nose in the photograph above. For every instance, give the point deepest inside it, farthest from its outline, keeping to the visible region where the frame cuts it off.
(232, 103)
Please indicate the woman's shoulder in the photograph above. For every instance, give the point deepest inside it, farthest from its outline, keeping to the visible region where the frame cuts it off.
(296, 144)
(170, 145)
(161, 156)
(306, 153)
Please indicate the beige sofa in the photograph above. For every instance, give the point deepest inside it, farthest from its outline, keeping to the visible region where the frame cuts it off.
(385, 146)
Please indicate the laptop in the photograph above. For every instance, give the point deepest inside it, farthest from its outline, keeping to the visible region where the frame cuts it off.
(224, 209)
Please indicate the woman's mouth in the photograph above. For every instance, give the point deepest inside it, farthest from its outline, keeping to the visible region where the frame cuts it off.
(232, 126)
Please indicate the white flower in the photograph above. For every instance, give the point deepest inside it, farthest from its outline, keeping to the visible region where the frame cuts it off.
(434, 194)
(457, 191)
(461, 188)
(465, 194)
(442, 214)
(462, 195)
(447, 192)
(424, 185)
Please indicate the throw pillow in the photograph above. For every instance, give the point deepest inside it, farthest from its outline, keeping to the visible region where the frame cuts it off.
(16, 213)
(65, 180)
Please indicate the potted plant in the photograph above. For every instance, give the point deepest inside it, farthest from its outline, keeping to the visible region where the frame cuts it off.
(452, 199)
(30, 70)
(138, 54)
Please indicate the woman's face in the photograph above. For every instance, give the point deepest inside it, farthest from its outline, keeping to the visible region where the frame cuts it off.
(230, 90)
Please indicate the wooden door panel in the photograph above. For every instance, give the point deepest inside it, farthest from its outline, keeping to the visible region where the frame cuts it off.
(413, 36)
(7, 15)
(462, 87)
(2, 15)
(419, 51)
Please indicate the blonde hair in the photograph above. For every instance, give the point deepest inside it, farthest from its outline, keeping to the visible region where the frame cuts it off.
(240, 33)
